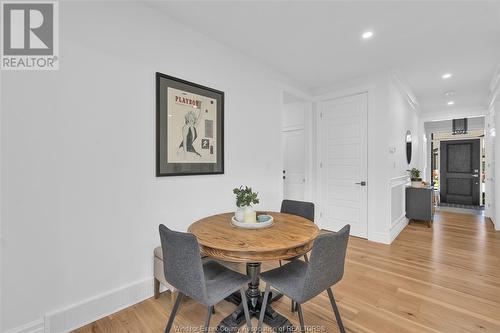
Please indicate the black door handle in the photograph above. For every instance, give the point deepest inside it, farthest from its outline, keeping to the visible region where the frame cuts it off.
(363, 183)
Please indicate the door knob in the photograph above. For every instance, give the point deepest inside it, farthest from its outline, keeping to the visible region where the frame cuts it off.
(363, 183)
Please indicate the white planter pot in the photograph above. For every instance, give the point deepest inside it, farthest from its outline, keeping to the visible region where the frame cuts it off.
(416, 183)
(239, 214)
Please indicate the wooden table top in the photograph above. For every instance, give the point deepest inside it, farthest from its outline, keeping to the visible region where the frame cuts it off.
(289, 236)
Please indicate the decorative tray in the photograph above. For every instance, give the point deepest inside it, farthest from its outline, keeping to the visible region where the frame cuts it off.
(253, 225)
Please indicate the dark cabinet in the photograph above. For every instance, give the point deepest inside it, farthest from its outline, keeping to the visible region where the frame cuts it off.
(419, 205)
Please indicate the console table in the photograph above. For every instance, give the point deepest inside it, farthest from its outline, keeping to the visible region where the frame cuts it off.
(419, 204)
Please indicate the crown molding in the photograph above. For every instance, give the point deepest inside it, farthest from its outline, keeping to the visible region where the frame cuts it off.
(494, 89)
(405, 90)
(453, 114)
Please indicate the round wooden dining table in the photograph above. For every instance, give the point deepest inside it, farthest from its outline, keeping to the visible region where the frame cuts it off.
(290, 236)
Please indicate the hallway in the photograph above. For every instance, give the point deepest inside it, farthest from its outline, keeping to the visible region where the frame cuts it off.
(440, 279)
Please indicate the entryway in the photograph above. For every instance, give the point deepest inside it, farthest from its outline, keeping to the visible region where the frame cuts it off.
(459, 172)
(458, 162)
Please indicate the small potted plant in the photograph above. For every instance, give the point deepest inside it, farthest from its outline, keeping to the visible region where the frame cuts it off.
(416, 181)
(245, 197)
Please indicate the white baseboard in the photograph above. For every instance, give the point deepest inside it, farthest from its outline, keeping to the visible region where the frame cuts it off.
(398, 227)
(90, 310)
(36, 326)
(380, 237)
(388, 238)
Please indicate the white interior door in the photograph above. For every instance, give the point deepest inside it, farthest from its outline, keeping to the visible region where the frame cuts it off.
(294, 165)
(342, 151)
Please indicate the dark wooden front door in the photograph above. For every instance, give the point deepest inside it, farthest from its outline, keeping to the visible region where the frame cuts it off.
(459, 180)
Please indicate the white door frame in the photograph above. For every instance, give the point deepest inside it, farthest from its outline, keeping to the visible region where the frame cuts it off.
(308, 135)
(335, 94)
(320, 138)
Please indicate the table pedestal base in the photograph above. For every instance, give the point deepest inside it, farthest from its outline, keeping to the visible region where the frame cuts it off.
(273, 319)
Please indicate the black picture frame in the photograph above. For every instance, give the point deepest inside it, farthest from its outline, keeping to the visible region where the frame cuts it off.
(174, 167)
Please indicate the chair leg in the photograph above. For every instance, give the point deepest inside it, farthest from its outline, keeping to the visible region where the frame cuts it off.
(174, 294)
(306, 258)
(245, 309)
(263, 308)
(157, 288)
(293, 307)
(207, 319)
(336, 311)
(280, 263)
(174, 312)
(301, 319)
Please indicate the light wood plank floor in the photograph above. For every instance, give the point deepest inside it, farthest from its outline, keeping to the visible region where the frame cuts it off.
(444, 279)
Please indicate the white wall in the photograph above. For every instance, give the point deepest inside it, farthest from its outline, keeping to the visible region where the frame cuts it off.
(496, 172)
(390, 115)
(489, 147)
(81, 204)
(401, 116)
(494, 146)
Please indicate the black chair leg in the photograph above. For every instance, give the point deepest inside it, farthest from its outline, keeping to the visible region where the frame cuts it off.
(306, 258)
(263, 308)
(336, 311)
(301, 319)
(207, 319)
(174, 312)
(245, 309)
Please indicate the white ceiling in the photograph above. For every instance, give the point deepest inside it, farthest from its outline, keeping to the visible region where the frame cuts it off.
(319, 45)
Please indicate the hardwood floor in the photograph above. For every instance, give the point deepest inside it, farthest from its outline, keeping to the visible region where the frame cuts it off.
(440, 279)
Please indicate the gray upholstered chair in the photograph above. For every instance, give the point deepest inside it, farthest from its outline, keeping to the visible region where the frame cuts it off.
(207, 283)
(302, 281)
(300, 208)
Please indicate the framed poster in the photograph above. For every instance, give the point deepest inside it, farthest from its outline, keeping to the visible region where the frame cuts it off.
(189, 128)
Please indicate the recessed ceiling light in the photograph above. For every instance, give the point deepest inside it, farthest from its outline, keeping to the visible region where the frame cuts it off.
(446, 75)
(450, 103)
(449, 93)
(367, 34)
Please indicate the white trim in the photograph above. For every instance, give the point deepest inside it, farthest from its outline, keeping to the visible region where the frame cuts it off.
(380, 237)
(406, 92)
(336, 93)
(293, 128)
(453, 114)
(397, 224)
(367, 88)
(320, 138)
(99, 306)
(36, 326)
(397, 228)
(494, 89)
(308, 129)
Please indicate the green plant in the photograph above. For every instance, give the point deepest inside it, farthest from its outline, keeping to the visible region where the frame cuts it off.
(415, 174)
(245, 196)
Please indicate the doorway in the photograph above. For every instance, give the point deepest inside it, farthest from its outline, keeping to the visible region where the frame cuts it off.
(342, 170)
(459, 172)
(458, 163)
(295, 135)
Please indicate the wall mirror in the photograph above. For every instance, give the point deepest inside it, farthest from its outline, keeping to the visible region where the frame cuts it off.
(408, 146)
